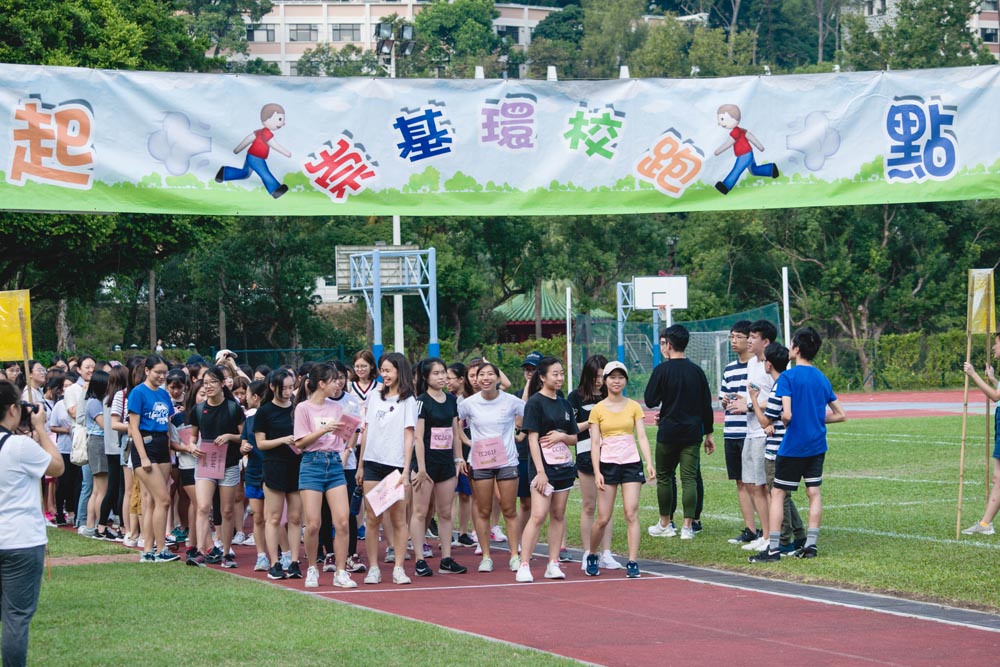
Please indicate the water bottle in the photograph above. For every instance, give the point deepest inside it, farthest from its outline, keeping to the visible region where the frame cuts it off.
(359, 493)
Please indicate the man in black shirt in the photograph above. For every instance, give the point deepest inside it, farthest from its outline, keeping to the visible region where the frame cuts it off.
(680, 388)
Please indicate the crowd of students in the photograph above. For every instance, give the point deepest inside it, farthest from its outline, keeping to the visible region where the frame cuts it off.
(300, 447)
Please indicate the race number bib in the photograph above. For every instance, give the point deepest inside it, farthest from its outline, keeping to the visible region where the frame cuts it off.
(442, 437)
(488, 453)
(619, 449)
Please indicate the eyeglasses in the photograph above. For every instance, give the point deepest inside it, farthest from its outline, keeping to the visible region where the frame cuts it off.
(210, 383)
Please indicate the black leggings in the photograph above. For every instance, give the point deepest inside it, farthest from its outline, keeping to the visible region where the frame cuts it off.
(112, 499)
(68, 488)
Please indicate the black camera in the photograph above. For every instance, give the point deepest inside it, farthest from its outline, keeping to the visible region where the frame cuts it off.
(27, 409)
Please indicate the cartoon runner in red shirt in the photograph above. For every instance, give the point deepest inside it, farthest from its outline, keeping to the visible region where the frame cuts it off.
(260, 142)
(740, 141)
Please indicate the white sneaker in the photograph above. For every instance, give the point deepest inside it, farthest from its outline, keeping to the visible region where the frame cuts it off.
(658, 530)
(757, 545)
(486, 565)
(979, 528)
(687, 533)
(608, 562)
(583, 561)
(496, 534)
(262, 563)
(239, 538)
(553, 571)
(130, 542)
(312, 577)
(249, 541)
(217, 543)
(479, 549)
(523, 575)
(141, 542)
(343, 580)
(399, 576)
(515, 562)
(286, 560)
(374, 576)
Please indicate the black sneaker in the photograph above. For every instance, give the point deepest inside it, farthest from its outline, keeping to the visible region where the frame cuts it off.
(448, 566)
(214, 557)
(696, 526)
(745, 537)
(765, 556)
(61, 520)
(195, 559)
(275, 572)
(807, 552)
(229, 562)
(466, 541)
(593, 565)
(280, 190)
(293, 570)
(191, 552)
(112, 535)
(422, 570)
(432, 529)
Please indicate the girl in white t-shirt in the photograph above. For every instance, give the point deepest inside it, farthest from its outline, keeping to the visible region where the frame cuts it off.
(387, 446)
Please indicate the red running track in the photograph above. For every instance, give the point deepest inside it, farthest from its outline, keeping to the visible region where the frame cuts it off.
(659, 620)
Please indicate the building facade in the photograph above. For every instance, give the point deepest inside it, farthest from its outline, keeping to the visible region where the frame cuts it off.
(294, 26)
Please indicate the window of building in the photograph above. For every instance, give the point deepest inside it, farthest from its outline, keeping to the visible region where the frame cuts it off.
(870, 8)
(303, 32)
(345, 32)
(293, 69)
(510, 33)
(263, 32)
(988, 6)
(990, 35)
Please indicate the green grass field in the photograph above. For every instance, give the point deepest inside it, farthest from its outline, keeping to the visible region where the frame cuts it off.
(890, 490)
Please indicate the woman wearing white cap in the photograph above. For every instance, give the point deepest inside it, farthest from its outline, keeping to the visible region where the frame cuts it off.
(616, 425)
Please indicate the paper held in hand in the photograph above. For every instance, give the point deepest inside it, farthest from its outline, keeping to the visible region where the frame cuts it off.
(213, 464)
(386, 493)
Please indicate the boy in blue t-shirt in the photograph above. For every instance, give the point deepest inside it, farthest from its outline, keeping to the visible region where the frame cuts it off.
(805, 393)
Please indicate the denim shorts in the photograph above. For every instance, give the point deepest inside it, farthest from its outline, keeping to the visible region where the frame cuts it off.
(321, 471)
(231, 477)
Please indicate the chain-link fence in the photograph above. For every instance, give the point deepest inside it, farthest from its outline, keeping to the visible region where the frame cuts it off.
(708, 347)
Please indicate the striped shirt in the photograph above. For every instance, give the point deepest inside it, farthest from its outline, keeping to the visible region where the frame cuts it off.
(773, 412)
(734, 381)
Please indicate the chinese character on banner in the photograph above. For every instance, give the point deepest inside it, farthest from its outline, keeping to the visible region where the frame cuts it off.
(423, 133)
(922, 143)
(338, 170)
(510, 123)
(52, 143)
(596, 129)
(672, 164)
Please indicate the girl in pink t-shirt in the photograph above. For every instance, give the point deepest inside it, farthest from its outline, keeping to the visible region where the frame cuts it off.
(319, 433)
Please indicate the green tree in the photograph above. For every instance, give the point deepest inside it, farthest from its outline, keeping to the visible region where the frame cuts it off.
(562, 26)
(564, 56)
(452, 35)
(923, 34)
(327, 60)
(221, 22)
(664, 53)
(613, 29)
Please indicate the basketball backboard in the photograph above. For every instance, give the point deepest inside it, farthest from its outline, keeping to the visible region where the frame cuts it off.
(652, 292)
(391, 267)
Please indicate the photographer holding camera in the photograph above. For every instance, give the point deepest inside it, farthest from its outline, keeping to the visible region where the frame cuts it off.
(23, 464)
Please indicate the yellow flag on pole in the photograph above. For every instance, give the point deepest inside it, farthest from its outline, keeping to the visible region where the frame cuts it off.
(10, 324)
(982, 308)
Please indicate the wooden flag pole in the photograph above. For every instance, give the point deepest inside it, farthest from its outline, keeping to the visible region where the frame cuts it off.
(965, 420)
(27, 377)
(989, 337)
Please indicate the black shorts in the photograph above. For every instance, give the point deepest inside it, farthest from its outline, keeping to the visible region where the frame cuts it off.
(734, 458)
(562, 484)
(523, 478)
(282, 474)
(376, 472)
(623, 473)
(788, 470)
(157, 449)
(584, 464)
(187, 476)
(438, 471)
